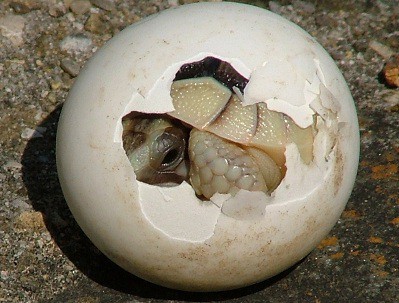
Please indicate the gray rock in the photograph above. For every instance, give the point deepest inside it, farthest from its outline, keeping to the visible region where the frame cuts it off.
(80, 7)
(29, 133)
(57, 9)
(24, 6)
(70, 67)
(19, 203)
(12, 27)
(304, 7)
(107, 5)
(275, 7)
(76, 43)
(12, 165)
(20, 7)
(95, 24)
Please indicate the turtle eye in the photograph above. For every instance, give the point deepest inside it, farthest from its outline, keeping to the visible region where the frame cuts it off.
(168, 149)
(171, 157)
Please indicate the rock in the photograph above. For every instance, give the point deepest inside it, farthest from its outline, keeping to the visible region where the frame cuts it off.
(12, 165)
(326, 20)
(12, 27)
(70, 67)
(393, 40)
(19, 203)
(95, 24)
(391, 71)
(173, 3)
(107, 5)
(4, 275)
(275, 7)
(381, 49)
(304, 7)
(80, 7)
(19, 7)
(57, 9)
(24, 6)
(30, 220)
(68, 3)
(76, 43)
(392, 99)
(29, 133)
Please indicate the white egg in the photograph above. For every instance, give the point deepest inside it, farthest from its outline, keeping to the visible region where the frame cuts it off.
(167, 235)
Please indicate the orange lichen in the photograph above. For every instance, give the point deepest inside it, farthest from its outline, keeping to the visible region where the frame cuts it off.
(355, 252)
(391, 71)
(351, 214)
(384, 171)
(379, 259)
(331, 241)
(395, 220)
(337, 256)
(364, 163)
(30, 220)
(376, 240)
(390, 157)
(381, 273)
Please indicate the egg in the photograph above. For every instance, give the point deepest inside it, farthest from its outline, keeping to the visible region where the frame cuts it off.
(173, 233)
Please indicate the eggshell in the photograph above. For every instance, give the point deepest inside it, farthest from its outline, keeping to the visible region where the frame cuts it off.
(167, 235)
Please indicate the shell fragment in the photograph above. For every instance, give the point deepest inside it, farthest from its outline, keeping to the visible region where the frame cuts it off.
(198, 101)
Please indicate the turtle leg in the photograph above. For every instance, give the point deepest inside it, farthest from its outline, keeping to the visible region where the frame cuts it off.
(220, 166)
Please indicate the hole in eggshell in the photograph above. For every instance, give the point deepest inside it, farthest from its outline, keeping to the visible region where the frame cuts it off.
(228, 148)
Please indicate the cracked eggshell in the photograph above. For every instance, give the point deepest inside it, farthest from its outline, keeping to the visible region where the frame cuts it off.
(166, 235)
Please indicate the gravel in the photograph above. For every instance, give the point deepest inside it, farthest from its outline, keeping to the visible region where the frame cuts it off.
(44, 255)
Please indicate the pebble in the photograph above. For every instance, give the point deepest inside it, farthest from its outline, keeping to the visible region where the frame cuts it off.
(95, 24)
(70, 67)
(19, 203)
(57, 10)
(40, 114)
(29, 133)
(326, 20)
(304, 7)
(275, 7)
(107, 5)
(393, 40)
(12, 27)
(12, 165)
(20, 7)
(32, 220)
(391, 71)
(76, 43)
(381, 49)
(24, 6)
(391, 99)
(4, 275)
(80, 7)
(173, 3)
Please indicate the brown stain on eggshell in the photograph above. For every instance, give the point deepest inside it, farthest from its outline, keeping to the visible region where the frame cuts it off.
(338, 168)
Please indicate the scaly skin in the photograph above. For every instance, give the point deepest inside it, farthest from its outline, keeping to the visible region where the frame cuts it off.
(219, 166)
